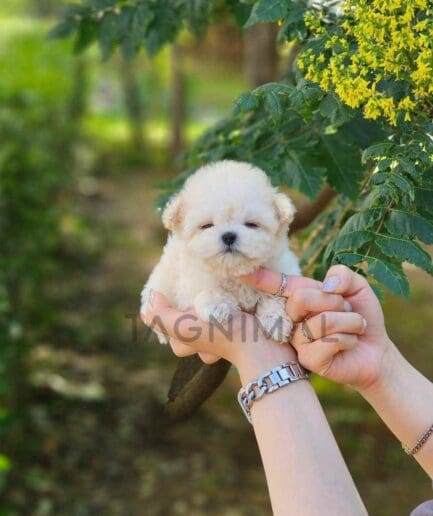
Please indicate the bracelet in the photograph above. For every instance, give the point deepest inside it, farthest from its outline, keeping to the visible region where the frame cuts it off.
(268, 382)
(421, 441)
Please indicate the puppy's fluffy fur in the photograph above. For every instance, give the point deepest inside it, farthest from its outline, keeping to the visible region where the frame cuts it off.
(227, 221)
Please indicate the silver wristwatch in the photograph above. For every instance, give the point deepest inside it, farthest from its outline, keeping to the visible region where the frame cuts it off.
(269, 382)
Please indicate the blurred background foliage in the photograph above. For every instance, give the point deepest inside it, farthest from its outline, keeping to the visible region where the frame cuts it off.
(84, 144)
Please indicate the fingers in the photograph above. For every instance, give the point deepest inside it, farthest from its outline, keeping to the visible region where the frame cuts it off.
(269, 281)
(180, 349)
(305, 301)
(342, 280)
(188, 334)
(318, 356)
(183, 327)
(208, 358)
(327, 323)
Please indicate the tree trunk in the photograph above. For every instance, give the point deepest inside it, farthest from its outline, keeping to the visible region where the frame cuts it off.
(260, 54)
(133, 105)
(178, 101)
(78, 98)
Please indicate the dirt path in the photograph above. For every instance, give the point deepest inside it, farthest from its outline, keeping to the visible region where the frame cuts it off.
(99, 447)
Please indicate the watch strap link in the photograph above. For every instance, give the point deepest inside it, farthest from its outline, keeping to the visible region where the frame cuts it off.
(268, 382)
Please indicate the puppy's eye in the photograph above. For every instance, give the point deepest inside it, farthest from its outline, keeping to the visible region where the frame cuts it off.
(206, 226)
(251, 225)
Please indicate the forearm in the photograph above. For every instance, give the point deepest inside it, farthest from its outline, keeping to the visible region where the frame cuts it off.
(403, 398)
(305, 471)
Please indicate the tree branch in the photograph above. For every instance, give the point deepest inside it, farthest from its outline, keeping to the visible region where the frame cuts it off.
(307, 212)
(192, 384)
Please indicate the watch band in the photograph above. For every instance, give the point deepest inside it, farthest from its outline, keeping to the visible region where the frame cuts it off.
(268, 382)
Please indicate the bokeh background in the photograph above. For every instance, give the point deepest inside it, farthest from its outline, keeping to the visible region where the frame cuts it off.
(84, 145)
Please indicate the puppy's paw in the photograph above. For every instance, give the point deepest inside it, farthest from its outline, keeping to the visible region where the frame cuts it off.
(277, 327)
(146, 301)
(214, 307)
(220, 312)
(163, 339)
(274, 321)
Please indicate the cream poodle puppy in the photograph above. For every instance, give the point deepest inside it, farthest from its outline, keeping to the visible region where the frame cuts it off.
(227, 221)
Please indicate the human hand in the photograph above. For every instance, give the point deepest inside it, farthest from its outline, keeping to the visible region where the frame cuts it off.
(240, 341)
(363, 364)
(340, 345)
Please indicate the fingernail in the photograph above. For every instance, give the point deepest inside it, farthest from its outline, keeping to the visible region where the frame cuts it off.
(347, 306)
(330, 284)
(365, 323)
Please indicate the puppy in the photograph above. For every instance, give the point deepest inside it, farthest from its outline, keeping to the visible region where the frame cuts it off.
(228, 220)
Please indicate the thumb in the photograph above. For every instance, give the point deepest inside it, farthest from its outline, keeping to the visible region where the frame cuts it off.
(342, 280)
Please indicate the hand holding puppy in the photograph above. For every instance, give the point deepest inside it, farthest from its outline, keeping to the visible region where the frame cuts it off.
(346, 345)
(226, 221)
(239, 341)
(339, 331)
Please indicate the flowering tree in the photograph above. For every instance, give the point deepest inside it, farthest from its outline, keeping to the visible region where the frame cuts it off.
(353, 113)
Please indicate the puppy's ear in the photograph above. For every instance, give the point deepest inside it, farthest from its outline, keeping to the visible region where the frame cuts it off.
(284, 207)
(172, 214)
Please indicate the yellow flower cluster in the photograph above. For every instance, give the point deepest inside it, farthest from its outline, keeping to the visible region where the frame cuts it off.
(378, 43)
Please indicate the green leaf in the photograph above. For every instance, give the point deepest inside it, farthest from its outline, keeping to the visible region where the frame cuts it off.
(135, 23)
(87, 33)
(110, 32)
(385, 272)
(165, 26)
(402, 183)
(401, 223)
(349, 259)
(294, 23)
(356, 232)
(349, 240)
(273, 104)
(376, 150)
(268, 11)
(342, 154)
(197, 14)
(404, 250)
(328, 106)
(384, 163)
(396, 179)
(240, 12)
(276, 87)
(343, 168)
(407, 166)
(302, 173)
(424, 197)
(245, 103)
(389, 274)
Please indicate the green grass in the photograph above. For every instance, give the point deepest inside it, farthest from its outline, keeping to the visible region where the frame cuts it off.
(108, 129)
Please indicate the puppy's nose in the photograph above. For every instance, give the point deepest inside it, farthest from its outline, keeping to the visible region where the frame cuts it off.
(229, 238)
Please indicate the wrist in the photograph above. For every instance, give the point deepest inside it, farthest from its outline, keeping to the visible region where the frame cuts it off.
(264, 357)
(390, 367)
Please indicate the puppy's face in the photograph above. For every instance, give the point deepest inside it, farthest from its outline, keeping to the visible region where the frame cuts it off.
(233, 227)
